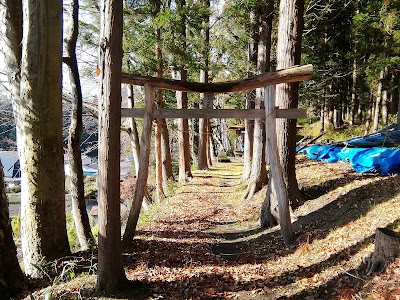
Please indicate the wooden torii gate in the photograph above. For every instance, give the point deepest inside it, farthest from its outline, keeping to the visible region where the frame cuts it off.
(270, 113)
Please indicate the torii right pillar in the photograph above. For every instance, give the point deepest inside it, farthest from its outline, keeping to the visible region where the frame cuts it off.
(277, 185)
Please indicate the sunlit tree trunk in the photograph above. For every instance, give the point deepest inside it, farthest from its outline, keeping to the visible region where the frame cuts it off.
(202, 163)
(250, 101)
(183, 134)
(288, 54)
(258, 175)
(39, 133)
(110, 275)
(11, 276)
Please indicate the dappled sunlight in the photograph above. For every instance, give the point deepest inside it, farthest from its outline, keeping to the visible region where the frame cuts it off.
(205, 242)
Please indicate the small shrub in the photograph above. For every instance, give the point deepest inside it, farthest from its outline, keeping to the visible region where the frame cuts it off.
(16, 226)
(72, 236)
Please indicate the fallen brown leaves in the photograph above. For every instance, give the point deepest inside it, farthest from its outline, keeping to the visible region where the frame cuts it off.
(204, 242)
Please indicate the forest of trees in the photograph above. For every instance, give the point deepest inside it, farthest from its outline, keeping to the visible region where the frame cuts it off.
(354, 46)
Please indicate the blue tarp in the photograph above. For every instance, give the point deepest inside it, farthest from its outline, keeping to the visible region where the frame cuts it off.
(369, 153)
(381, 160)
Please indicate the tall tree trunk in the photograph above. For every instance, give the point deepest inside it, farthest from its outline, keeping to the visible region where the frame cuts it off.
(288, 54)
(248, 140)
(250, 100)
(182, 102)
(158, 139)
(79, 211)
(159, 168)
(338, 116)
(166, 154)
(322, 116)
(353, 106)
(183, 134)
(134, 135)
(111, 273)
(202, 163)
(378, 101)
(370, 112)
(396, 94)
(11, 277)
(354, 103)
(39, 133)
(258, 175)
(385, 100)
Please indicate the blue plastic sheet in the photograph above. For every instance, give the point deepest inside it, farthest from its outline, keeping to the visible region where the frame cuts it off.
(385, 161)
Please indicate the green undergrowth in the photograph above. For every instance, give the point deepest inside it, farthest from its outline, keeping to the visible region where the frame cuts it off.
(331, 134)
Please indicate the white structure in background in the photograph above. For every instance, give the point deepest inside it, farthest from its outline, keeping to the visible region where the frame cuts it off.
(11, 168)
(89, 168)
(12, 171)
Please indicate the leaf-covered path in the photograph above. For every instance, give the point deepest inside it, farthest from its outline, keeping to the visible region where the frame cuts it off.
(204, 242)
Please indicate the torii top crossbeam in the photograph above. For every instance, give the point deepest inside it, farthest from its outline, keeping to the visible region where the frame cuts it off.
(293, 74)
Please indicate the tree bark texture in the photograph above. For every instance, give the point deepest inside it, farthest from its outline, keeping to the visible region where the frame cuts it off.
(183, 134)
(277, 186)
(39, 132)
(248, 140)
(111, 273)
(290, 31)
(163, 156)
(182, 102)
(250, 103)
(202, 163)
(79, 211)
(167, 174)
(12, 46)
(159, 165)
(353, 105)
(378, 100)
(387, 248)
(11, 277)
(258, 174)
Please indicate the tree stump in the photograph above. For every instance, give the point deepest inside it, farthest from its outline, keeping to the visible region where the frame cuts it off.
(387, 248)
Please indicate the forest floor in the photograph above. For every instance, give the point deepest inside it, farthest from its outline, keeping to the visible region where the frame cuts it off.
(205, 241)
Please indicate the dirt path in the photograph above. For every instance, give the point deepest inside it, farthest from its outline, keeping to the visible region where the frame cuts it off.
(204, 242)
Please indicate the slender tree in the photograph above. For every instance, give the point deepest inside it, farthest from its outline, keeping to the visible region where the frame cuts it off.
(79, 211)
(111, 273)
(206, 99)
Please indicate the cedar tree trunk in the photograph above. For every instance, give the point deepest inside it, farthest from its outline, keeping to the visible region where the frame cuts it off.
(39, 133)
(288, 54)
(111, 273)
(258, 175)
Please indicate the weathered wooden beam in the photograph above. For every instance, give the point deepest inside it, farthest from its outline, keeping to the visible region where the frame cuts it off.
(292, 113)
(293, 74)
(278, 187)
(145, 146)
